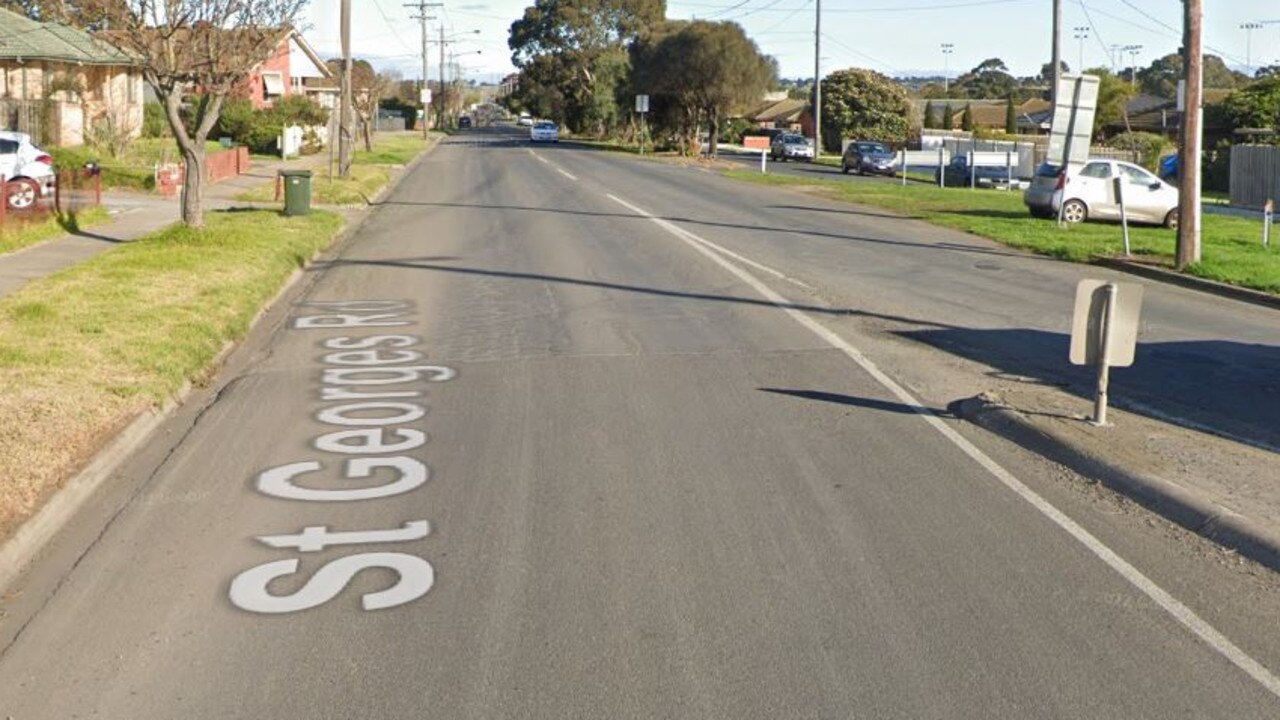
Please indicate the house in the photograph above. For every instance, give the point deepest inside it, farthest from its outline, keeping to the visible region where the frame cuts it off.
(782, 113)
(286, 72)
(990, 114)
(1154, 114)
(59, 84)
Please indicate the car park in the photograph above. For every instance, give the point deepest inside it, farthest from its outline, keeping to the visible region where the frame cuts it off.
(1089, 193)
(865, 157)
(790, 146)
(27, 170)
(544, 131)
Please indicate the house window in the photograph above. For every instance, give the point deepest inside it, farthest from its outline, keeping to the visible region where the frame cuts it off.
(297, 85)
(272, 85)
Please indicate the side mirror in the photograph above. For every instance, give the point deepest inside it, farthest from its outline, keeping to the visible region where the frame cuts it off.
(1155, 186)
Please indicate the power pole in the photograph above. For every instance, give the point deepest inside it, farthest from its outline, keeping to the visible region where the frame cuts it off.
(817, 80)
(1189, 152)
(344, 112)
(1057, 50)
(421, 6)
(440, 104)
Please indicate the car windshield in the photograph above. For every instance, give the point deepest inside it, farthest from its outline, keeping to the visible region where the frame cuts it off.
(796, 140)
(1047, 170)
(546, 126)
(872, 148)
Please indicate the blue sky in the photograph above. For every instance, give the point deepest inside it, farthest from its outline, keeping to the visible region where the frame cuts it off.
(892, 36)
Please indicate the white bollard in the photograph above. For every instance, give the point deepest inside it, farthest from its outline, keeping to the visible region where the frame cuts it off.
(764, 155)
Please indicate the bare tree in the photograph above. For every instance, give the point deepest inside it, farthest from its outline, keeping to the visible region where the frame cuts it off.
(194, 53)
(368, 88)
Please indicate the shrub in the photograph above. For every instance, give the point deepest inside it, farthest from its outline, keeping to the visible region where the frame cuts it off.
(258, 129)
(154, 122)
(1149, 146)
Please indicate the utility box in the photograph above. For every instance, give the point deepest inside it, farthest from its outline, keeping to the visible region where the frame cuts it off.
(297, 191)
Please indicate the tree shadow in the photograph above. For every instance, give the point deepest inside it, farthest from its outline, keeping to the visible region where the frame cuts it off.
(854, 401)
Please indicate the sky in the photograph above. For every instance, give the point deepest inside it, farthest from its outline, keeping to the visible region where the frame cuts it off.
(896, 37)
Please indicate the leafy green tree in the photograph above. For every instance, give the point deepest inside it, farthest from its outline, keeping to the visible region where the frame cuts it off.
(1256, 106)
(948, 117)
(701, 70)
(1114, 94)
(1160, 78)
(863, 104)
(572, 50)
(966, 120)
(990, 79)
(1010, 117)
(928, 121)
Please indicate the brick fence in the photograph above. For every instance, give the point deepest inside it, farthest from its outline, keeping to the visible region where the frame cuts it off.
(222, 165)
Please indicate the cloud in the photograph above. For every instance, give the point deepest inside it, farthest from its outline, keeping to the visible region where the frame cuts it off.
(474, 8)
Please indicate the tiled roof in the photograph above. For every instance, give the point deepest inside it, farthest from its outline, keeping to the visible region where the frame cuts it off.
(25, 39)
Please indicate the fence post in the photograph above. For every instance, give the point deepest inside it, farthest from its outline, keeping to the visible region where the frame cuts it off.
(57, 190)
(1268, 216)
(1008, 166)
(4, 199)
(973, 172)
(942, 166)
(904, 167)
(97, 186)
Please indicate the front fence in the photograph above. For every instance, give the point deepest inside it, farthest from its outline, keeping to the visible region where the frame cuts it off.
(1255, 175)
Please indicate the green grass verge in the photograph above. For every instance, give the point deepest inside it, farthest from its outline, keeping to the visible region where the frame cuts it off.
(17, 234)
(84, 350)
(1232, 247)
(369, 173)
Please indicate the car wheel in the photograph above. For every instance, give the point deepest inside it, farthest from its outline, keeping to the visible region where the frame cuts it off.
(1074, 212)
(844, 168)
(21, 194)
(1171, 220)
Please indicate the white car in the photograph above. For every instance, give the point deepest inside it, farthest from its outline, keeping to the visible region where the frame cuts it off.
(27, 170)
(526, 120)
(544, 131)
(1090, 194)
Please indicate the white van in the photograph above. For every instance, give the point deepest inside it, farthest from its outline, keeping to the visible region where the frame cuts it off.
(526, 120)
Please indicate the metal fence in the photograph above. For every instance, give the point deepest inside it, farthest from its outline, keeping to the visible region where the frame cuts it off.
(1255, 175)
(24, 116)
(1030, 153)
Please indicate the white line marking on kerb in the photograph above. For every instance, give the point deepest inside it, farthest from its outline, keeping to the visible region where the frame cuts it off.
(1180, 612)
(563, 172)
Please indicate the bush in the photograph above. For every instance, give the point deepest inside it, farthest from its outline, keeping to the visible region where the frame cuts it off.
(733, 130)
(1149, 147)
(259, 129)
(154, 122)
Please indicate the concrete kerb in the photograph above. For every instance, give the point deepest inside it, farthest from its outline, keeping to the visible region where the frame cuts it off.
(20, 549)
(1191, 509)
(1257, 297)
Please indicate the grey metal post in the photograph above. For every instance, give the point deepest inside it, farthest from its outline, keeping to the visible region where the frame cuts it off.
(942, 165)
(1104, 359)
(904, 167)
(817, 80)
(1008, 166)
(764, 161)
(973, 173)
(1268, 217)
(1124, 213)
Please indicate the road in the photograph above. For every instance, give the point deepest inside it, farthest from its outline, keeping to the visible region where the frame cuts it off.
(564, 434)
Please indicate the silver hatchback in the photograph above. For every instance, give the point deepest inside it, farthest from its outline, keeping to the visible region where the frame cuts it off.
(1090, 193)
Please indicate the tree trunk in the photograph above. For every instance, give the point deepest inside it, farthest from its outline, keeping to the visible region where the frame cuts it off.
(193, 185)
(368, 133)
(713, 131)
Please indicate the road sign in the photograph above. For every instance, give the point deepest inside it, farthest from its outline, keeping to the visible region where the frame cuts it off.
(1073, 112)
(425, 96)
(642, 103)
(1089, 322)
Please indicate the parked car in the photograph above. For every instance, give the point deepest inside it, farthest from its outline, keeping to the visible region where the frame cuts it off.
(863, 157)
(958, 173)
(789, 146)
(526, 120)
(544, 131)
(1089, 194)
(27, 170)
(464, 122)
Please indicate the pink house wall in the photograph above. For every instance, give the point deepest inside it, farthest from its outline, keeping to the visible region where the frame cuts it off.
(278, 62)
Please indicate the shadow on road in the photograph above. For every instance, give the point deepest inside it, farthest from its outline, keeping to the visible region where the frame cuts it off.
(854, 401)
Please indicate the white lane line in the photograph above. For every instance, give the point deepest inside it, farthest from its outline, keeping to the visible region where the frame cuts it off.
(685, 234)
(1180, 612)
(540, 158)
(563, 172)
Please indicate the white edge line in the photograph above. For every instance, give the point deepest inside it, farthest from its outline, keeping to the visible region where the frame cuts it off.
(565, 173)
(1180, 612)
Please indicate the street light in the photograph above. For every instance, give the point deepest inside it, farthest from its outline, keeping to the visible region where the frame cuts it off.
(1081, 34)
(1133, 61)
(1248, 29)
(947, 49)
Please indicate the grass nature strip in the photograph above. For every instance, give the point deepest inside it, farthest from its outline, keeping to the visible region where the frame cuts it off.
(16, 235)
(369, 173)
(1232, 247)
(83, 351)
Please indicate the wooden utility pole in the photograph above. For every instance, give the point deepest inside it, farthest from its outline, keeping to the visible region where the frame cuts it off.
(1057, 52)
(345, 136)
(422, 17)
(440, 102)
(1189, 153)
(817, 80)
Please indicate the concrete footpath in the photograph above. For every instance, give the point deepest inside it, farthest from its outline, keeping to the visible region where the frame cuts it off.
(134, 215)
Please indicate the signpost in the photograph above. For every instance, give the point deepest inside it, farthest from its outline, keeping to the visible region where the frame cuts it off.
(642, 107)
(1104, 332)
(1124, 212)
(1268, 217)
(1075, 104)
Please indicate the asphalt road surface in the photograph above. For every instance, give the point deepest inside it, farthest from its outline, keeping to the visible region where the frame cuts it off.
(564, 434)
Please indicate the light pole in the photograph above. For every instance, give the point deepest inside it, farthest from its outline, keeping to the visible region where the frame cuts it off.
(1081, 34)
(817, 80)
(947, 49)
(1116, 57)
(1248, 29)
(456, 70)
(443, 41)
(1133, 61)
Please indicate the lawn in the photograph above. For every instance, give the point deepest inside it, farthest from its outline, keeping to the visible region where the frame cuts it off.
(133, 169)
(1232, 247)
(17, 234)
(370, 172)
(83, 351)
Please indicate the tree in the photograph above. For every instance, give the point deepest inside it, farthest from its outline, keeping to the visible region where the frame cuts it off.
(1267, 72)
(194, 52)
(948, 117)
(966, 120)
(573, 48)
(1010, 118)
(1114, 94)
(1161, 77)
(864, 104)
(1046, 71)
(699, 69)
(368, 89)
(928, 122)
(1256, 106)
(990, 79)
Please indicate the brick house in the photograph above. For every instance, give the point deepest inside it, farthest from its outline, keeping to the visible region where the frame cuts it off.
(286, 72)
(58, 83)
